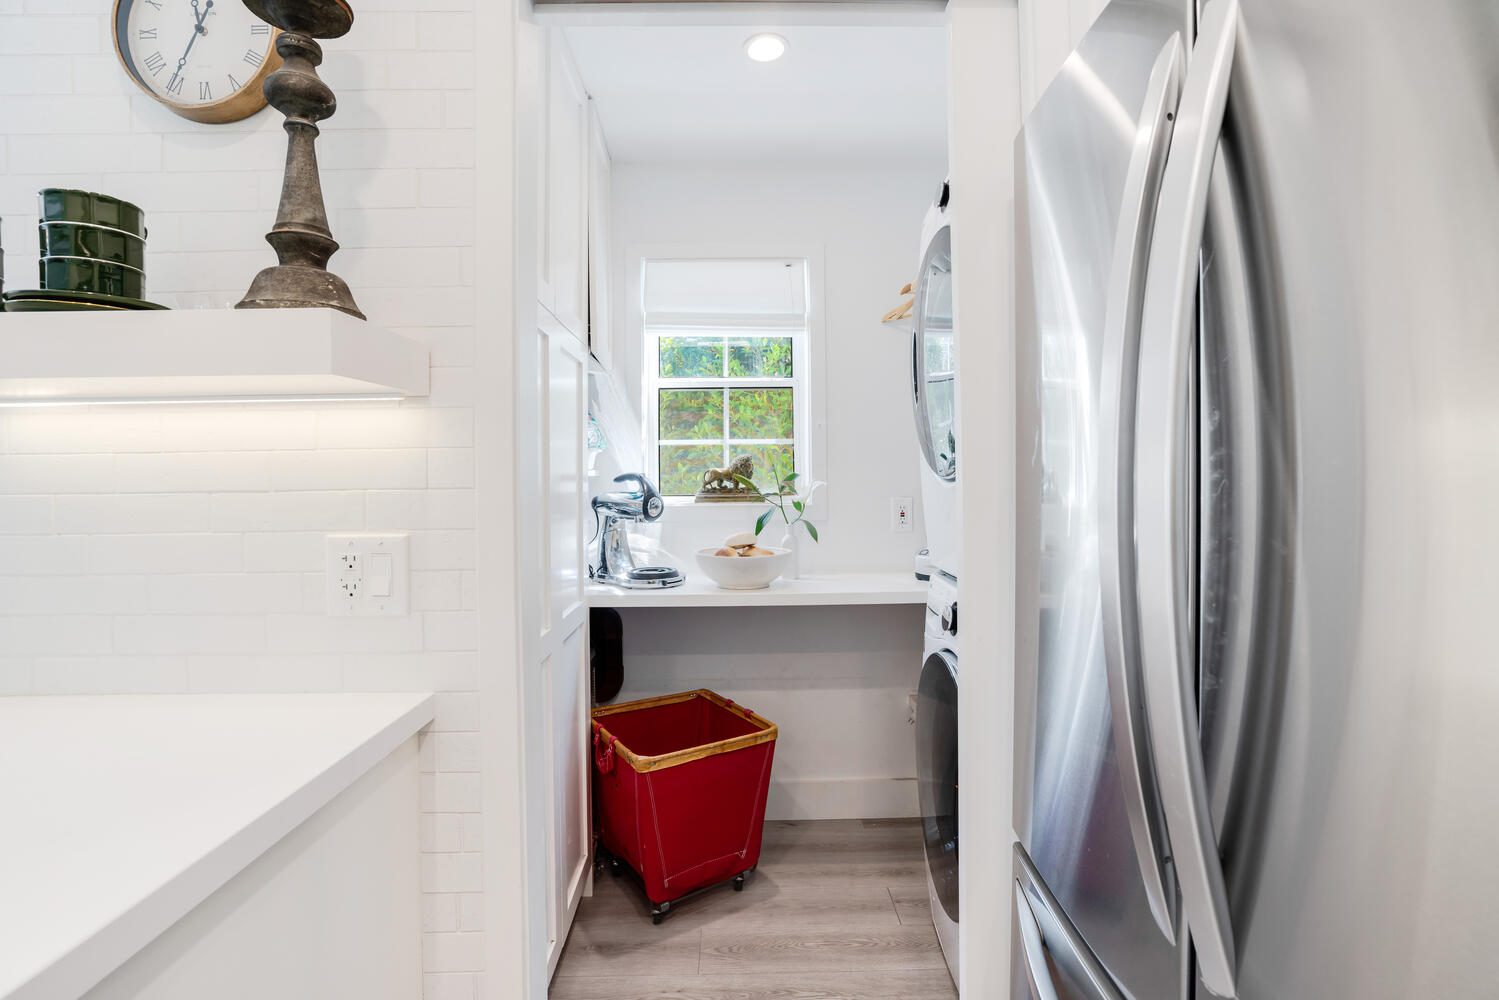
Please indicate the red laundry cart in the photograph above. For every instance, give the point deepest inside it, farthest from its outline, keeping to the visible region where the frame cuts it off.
(680, 791)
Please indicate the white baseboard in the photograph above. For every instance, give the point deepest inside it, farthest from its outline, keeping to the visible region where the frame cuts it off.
(843, 798)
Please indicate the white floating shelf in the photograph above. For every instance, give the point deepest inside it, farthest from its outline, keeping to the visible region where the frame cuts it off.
(809, 591)
(203, 354)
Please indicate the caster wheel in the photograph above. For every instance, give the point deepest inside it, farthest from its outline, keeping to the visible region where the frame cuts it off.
(616, 867)
(659, 913)
(738, 883)
(656, 918)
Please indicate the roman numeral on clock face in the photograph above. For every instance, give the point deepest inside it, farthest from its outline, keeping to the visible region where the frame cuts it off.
(254, 58)
(154, 3)
(205, 91)
(233, 83)
(174, 84)
(147, 33)
(260, 28)
(155, 62)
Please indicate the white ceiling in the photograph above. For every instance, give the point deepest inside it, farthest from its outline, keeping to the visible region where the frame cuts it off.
(690, 94)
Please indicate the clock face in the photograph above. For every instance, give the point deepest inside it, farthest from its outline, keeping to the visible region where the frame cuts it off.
(204, 59)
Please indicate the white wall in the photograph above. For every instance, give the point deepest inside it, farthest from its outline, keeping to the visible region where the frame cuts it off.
(866, 218)
(180, 548)
(835, 679)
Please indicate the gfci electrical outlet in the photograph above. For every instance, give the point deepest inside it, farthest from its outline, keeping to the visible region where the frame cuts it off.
(900, 514)
(368, 575)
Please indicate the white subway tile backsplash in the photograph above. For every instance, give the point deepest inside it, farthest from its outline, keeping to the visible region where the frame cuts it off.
(37, 154)
(280, 672)
(56, 634)
(36, 74)
(419, 672)
(16, 676)
(25, 515)
(450, 468)
(443, 31)
(379, 469)
(237, 428)
(165, 553)
(145, 513)
(57, 473)
(437, 591)
(439, 910)
(189, 634)
(462, 952)
(442, 550)
(209, 472)
(224, 593)
(456, 752)
(452, 873)
(322, 634)
(451, 630)
(471, 911)
(298, 512)
(284, 552)
(52, 35)
(43, 554)
(449, 986)
(177, 548)
(110, 675)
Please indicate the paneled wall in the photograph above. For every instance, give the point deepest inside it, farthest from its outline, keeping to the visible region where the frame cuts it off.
(169, 549)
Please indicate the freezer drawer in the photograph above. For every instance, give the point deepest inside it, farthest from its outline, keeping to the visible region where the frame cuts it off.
(1048, 958)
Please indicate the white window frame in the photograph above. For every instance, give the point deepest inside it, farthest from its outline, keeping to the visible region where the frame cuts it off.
(808, 366)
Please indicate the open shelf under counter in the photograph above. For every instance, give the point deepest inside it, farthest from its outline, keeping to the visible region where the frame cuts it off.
(809, 591)
(200, 354)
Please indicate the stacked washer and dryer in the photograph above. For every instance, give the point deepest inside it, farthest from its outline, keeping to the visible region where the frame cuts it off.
(933, 385)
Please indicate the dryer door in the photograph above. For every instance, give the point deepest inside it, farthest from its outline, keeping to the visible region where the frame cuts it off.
(937, 773)
(932, 361)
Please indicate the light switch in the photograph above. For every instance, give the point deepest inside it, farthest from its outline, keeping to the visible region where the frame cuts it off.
(368, 575)
(379, 573)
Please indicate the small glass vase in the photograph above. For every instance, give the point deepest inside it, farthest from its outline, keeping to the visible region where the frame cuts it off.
(792, 541)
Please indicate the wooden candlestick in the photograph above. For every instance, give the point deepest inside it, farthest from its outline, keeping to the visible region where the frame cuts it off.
(301, 237)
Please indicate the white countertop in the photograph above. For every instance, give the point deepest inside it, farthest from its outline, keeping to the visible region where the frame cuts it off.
(700, 592)
(122, 813)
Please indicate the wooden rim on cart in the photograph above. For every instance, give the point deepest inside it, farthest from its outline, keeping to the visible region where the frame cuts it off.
(767, 731)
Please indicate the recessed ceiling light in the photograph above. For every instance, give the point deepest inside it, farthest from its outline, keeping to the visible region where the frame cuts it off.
(765, 47)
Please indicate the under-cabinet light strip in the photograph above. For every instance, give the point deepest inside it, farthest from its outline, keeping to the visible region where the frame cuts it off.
(193, 401)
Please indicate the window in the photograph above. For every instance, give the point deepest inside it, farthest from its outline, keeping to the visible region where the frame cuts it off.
(726, 365)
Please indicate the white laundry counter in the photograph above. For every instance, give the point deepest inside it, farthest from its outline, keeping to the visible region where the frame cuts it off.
(149, 844)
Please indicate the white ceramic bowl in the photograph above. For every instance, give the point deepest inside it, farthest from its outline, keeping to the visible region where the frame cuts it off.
(743, 572)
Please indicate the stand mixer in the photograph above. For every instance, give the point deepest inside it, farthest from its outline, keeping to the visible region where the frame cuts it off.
(616, 511)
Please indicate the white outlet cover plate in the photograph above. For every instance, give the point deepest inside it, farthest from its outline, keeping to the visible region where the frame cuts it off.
(901, 514)
(348, 575)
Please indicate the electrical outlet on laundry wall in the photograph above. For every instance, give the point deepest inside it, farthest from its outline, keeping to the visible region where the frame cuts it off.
(368, 575)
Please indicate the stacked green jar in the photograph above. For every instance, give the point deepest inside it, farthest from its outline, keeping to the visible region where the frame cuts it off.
(91, 243)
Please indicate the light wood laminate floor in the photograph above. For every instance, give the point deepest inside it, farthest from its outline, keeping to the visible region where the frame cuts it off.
(836, 911)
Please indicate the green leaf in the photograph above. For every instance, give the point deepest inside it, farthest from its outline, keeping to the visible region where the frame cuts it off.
(790, 478)
(801, 508)
(762, 521)
(811, 529)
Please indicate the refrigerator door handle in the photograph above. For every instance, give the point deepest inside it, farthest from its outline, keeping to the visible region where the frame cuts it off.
(1116, 548)
(1035, 952)
(1162, 495)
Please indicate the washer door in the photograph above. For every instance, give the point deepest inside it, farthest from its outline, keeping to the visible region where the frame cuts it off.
(937, 773)
(932, 361)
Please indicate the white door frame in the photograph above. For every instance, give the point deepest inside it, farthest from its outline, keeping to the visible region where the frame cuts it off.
(506, 135)
(514, 851)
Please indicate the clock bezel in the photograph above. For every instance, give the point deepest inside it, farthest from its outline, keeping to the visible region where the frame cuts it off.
(243, 103)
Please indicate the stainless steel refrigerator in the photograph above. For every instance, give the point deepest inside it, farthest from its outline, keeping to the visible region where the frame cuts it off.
(1258, 506)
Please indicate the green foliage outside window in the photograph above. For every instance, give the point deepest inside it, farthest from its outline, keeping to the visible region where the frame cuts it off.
(694, 417)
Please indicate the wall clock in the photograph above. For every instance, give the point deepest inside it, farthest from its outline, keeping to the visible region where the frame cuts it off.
(204, 59)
